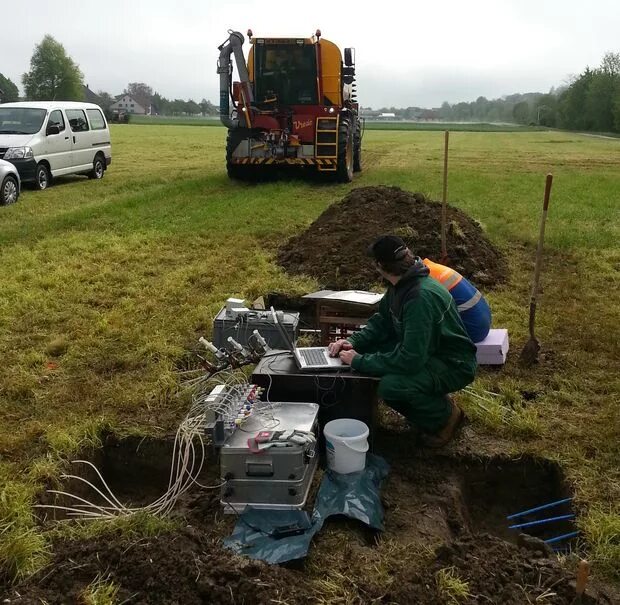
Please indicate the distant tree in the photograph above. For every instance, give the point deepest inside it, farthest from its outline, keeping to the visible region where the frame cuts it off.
(10, 90)
(592, 99)
(179, 107)
(140, 92)
(162, 105)
(53, 75)
(192, 107)
(599, 105)
(617, 111)
(572, 103)
(610, 64)
(462, 112)
(445, 111)
(545, 110)
(207, 108)
(521, 112)
(480, 108)
(106, 102)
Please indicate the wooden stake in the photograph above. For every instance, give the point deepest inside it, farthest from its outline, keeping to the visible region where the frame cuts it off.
(444, 200)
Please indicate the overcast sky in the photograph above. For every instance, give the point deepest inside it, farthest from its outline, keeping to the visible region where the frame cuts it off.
(408, 53)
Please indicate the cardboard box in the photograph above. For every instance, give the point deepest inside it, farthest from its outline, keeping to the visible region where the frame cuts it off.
(494, 348)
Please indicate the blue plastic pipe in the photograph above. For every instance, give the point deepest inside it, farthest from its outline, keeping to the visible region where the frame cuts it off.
(542, 521)
(563, 537)
(542, 507)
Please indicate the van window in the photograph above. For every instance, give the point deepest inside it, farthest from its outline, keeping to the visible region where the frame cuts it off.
(96, 119)
(77, 120)
(21, 120)
(56, 119)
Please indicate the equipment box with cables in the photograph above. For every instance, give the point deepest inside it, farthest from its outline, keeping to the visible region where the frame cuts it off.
(241, 325)
(270, 460)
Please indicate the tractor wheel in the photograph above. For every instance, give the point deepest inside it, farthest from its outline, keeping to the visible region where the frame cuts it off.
(344, 170)
(357, 148)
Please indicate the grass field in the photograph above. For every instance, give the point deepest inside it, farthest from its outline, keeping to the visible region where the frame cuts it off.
(105, 285)
(369, 125)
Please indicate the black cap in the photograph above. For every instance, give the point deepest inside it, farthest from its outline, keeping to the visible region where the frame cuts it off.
(387, 248)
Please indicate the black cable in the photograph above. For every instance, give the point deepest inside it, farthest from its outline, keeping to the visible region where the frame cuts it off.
(329, 390)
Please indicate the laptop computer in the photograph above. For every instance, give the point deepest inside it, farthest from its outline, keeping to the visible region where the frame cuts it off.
(310, 359)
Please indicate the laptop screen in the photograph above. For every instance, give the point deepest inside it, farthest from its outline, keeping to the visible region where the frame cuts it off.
(287, 340)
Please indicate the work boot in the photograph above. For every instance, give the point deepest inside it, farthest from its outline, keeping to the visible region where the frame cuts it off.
(446, 434)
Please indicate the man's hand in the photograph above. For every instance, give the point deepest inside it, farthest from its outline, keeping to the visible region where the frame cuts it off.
(340, 345)
(346, 356)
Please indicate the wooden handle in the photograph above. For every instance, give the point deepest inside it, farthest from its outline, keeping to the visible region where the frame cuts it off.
(541, 237)
(583, 571)
(444, 199)
(548, 184)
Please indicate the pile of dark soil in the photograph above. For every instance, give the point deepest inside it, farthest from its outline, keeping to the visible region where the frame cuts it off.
(495, 572)
(333, 248)
(186, 568)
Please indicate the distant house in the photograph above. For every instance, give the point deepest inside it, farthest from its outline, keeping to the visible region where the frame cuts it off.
(387, 116)
(367, 112)
(91, 97)
(127, 104)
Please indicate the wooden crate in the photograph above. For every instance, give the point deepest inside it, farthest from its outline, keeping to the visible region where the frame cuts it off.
(339, 319)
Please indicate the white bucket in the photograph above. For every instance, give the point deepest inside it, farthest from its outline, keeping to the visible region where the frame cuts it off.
(346, 441)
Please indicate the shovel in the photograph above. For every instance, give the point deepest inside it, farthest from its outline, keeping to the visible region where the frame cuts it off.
(582, 579)
(529, 354)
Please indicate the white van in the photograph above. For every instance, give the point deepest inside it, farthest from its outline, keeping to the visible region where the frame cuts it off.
(45, 139)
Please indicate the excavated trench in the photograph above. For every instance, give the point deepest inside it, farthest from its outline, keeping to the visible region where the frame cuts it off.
(454, 506)
(466, 493)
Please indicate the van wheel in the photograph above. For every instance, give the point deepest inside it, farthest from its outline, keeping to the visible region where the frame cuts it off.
(98, 169)
(9, 192)
(42, 177)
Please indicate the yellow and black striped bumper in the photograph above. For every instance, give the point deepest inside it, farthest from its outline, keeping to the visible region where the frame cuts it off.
(290, 161)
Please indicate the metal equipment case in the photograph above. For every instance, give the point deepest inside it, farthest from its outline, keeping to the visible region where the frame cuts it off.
(241, 327)
(278, 477)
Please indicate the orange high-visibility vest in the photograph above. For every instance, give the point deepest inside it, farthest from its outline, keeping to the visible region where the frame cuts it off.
(446, 276)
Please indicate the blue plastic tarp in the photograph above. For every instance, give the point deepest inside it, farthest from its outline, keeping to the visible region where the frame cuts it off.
(268, 534)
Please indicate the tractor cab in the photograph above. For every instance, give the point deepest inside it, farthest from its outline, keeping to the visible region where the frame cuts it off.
(285, 74)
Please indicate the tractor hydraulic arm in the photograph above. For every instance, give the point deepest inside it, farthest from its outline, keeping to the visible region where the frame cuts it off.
(233, 45)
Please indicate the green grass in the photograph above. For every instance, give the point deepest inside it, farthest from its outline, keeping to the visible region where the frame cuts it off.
(370, 124)
(450, 588)
(451, 126)
(176, 121)
(105, 285)
(100, 592)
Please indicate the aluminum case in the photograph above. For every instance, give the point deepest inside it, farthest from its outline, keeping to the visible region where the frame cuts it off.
(278, 477)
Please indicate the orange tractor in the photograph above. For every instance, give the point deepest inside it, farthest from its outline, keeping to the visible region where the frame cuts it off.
(294, 105)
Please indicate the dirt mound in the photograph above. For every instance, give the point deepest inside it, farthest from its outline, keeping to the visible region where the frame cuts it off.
(492, 571)
(333, 248)
(182, 568)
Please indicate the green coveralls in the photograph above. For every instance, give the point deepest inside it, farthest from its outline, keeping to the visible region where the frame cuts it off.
(418, 345)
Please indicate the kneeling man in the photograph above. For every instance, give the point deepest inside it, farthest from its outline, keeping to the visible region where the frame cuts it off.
(416, 342)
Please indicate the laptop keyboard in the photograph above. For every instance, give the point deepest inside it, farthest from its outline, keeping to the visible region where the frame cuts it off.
(314, 357)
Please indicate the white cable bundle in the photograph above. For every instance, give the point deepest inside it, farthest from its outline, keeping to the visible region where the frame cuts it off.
(186, 462)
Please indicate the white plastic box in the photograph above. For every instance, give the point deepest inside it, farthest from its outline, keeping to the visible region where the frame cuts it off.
(493, 349)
